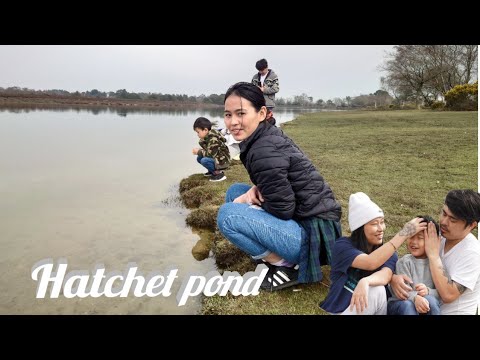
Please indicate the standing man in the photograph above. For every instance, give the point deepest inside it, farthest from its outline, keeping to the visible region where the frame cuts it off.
(267, 81)
(454, 256)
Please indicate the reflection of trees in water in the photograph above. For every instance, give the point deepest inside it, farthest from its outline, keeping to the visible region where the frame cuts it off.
(123, 111)
(119, 110)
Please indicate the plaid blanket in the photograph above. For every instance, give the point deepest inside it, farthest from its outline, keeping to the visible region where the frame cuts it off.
(316, 248)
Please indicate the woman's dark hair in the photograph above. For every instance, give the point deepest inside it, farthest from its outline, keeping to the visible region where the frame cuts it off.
(359, 240)
(247, 91)
(202, 123)
(427, 219)
(464, 204)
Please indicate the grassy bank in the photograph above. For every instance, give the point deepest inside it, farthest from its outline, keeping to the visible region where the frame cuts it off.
(406, 161)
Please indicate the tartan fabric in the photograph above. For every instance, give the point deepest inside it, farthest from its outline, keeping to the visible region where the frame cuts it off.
(316, 248)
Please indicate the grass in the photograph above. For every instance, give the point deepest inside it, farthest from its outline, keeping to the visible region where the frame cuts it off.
(406, 161)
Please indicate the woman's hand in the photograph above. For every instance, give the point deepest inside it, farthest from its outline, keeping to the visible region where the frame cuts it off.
(195, 151)
(251, 197)
(412, 227)
(360, 296)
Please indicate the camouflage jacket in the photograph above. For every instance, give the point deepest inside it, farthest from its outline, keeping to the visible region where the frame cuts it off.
(214, 146)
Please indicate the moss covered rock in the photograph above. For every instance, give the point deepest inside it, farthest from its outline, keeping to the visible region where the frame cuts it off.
(203, 218)
(195, 197)
(230, 258)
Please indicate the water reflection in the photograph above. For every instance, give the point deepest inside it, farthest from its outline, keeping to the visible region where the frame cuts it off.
(201, 250)
(119, 110)
(124, 111)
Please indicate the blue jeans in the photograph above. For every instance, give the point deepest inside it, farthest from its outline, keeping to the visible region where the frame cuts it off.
(207, 163)
(257, 232)
(407, 307)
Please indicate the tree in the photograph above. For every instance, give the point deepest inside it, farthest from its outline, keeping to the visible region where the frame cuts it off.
(338, 102)
(363, 101)
(348, 101)
(302, 100)
(382, 98)
(407, 72)
(330, 104)
(121, 94)
(424, 73)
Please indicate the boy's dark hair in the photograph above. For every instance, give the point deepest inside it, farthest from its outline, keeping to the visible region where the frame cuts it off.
(261, 64)
(427, 219)
(247, 91)
(464, 204)
(202, 123)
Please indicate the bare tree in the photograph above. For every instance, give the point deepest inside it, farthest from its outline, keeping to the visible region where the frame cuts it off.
(426, 72)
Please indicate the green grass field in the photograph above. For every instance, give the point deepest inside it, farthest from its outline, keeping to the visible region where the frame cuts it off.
(406, 161)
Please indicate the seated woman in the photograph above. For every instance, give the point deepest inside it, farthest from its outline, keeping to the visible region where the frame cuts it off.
(362, 264)
(290, 215)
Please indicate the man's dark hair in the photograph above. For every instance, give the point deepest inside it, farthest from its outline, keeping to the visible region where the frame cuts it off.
(202, 123)
(427, 219)
(261, 64)
(464, 204)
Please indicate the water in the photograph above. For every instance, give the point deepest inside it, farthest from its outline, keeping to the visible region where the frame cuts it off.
(97, 187)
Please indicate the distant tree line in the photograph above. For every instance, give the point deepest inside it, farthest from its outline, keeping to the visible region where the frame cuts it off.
(119, 94)
(424, 75)
(379, 98)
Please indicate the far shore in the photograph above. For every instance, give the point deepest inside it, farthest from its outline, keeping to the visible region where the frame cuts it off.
(35, 101)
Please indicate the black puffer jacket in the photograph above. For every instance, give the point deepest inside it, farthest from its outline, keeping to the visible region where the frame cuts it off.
(286, 178)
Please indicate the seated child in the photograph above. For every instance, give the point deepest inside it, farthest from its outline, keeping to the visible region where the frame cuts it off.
(213, 154)
(423, 299)
(233, 145)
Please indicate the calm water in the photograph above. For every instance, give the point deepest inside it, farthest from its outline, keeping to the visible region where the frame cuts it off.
(97, 187)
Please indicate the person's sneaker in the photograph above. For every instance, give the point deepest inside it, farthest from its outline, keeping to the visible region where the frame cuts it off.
(219, 177)
(280, 277)
(208, 174)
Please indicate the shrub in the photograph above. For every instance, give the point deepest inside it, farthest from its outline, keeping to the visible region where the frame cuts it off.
(463, 97)
(437, 105)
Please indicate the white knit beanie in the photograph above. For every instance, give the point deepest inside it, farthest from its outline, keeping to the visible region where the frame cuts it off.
(361, 210)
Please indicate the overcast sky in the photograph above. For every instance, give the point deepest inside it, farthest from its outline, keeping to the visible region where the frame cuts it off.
(321, 71)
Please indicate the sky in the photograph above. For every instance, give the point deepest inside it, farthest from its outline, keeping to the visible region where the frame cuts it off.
(321, 71)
